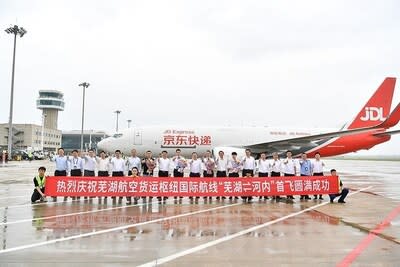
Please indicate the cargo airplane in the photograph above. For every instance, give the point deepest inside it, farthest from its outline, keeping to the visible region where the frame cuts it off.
(369, 128)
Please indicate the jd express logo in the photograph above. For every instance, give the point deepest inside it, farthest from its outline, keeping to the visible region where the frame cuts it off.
(373, 114)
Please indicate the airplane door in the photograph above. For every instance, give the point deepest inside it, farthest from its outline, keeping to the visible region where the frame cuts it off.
(137, 138)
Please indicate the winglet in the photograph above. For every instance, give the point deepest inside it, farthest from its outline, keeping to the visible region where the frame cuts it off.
(378, 106)
(392, 119)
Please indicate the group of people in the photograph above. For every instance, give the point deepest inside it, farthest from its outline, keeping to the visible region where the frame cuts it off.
(88, 164)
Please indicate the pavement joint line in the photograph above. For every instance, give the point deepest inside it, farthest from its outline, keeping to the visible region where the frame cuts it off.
(232, 236)
(58, 240)
(78, 213)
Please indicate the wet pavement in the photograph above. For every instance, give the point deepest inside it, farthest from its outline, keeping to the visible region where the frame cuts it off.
(363, 232)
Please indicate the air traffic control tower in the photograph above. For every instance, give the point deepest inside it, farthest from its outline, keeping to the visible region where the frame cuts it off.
(50, 102)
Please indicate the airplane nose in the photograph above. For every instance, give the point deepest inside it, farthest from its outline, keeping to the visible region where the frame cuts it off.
(102, 145)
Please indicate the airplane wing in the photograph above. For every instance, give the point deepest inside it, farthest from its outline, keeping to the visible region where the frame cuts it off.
(317, 139)
(388, 133)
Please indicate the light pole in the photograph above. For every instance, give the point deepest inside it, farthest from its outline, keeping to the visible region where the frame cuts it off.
(43, 118)
(84, 85)
(117, 112)
(21, 32)
(129, 123)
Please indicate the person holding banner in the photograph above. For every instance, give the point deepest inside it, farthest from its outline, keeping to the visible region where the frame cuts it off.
(61, 163)
(40, 184)
(76, 164)
(133, 161)
(117, 166)
(289, 167)
(62, 166)
(164, 164)
(318, 170)
(233, 167)
(102, 165)
(249, 165)
(305, 170)
(89, 165)
(343, 191)
(179, 164)
(275, 166)
(208, 166)
(263, 168)
(195, 165)
(148, 164)
(222, 164)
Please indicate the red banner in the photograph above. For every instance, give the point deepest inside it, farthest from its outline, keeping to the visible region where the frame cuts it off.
(185, 186)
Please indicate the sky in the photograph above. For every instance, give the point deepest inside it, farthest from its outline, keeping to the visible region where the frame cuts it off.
(209, 63)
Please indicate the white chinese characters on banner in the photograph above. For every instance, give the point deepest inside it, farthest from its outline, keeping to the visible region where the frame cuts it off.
(125, 186)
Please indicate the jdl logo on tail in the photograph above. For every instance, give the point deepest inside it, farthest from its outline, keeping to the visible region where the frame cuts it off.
(373, 114)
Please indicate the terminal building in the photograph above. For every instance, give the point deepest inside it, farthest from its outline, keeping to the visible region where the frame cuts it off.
(45, 137)
(72, 140)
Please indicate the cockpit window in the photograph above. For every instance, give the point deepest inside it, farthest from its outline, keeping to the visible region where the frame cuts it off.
(118, 135)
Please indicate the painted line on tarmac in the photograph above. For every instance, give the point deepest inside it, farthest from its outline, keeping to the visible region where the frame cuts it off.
(1, 198)
(348, 260)
(58, 240)
(44, 203)
(79, 213)
(232, 236)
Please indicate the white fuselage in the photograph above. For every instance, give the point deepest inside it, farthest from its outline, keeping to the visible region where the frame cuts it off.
(197, 139)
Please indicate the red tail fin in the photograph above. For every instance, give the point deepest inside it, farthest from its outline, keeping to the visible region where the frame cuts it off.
(378, 106)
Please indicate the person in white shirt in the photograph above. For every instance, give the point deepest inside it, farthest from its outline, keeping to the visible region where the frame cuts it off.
(62, 166)
(133, 161)
(289, 167)
(263, 168)
(117, 164)
(234, 166)
(163, 164)
(89, 164)
(317, 167)
(163, 167)
(249, 165)
(61, 163)
(195, 166)
(102, 165)
(76, 164)
(208, 164)
(275, 166)
(179, 163)
(222, 163)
